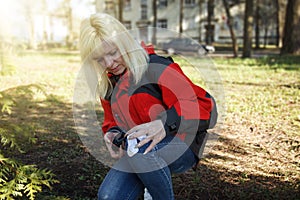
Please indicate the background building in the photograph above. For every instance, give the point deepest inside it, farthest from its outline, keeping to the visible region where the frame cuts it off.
(140, 14)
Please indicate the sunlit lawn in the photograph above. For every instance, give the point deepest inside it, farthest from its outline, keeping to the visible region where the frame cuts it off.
(256, 155)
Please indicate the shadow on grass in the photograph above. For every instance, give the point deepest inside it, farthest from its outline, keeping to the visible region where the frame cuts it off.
(44, 128)
(214, 183)
(273, 62)
(286, 62)
(221, 181)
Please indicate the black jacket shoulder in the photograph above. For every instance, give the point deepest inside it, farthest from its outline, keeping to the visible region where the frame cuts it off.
(154, 58)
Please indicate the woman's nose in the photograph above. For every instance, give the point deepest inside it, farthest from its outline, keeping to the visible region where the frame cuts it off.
(108, 61)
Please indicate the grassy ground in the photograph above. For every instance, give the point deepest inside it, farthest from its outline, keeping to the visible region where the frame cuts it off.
(256, 156)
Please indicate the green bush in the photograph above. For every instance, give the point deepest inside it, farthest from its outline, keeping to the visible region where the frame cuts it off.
(17, 179)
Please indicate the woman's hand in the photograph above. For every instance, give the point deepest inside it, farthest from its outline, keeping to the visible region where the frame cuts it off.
(108, 138)
(153, 130)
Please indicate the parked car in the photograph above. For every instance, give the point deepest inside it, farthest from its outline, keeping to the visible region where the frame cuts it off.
(185, 45)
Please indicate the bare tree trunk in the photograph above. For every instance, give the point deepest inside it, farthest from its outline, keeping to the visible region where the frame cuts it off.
(28, 9)
(210, 27)
(232, 34)
(45, 35)
(291, 38)
(32, 41)
(257, 25)
(200, 27)
(248, 28)
(282, 14)
(51, 24)
(266, 35)
(69, 17)
(120, 5)
(154, 9)
(277, 42)
(70, 27)
(180, 17)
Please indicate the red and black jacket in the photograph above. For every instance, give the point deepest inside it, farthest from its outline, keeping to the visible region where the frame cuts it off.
(165, 93)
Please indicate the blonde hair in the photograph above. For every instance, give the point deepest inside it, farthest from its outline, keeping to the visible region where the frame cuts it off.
(99, 28)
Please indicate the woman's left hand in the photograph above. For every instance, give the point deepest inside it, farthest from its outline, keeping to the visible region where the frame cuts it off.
(153, 130)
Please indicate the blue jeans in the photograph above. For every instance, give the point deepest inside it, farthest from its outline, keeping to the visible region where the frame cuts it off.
(130, 175)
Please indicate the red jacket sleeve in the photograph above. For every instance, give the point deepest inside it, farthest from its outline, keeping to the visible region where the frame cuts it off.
(109, 120)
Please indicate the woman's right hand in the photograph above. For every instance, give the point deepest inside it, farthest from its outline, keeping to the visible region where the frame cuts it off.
(108, 138)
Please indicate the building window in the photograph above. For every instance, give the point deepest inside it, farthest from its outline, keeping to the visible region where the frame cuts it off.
(127, 24)
(144, 2)
(127, 4)
(162, 3)
(162, 23)
(191, 24)
(189, 2)
(144, 11)
(109, 5)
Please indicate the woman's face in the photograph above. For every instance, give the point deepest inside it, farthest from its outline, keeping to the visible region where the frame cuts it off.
(110, 58)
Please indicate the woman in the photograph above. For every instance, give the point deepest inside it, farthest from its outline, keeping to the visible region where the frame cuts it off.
(161, 116)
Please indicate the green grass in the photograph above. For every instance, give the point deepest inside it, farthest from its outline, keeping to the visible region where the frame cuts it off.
(256, 156)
